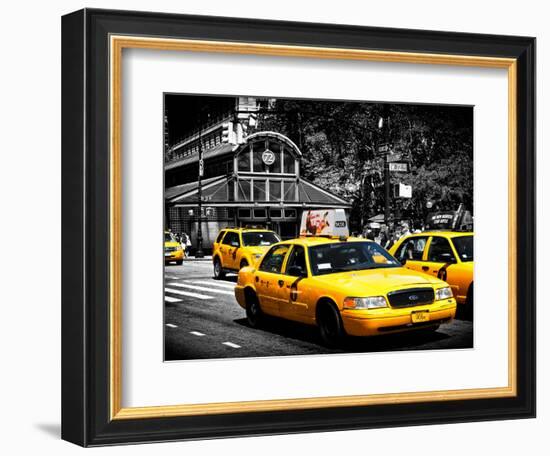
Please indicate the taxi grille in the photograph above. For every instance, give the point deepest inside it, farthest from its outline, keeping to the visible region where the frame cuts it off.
(411, 297)
(170, 249)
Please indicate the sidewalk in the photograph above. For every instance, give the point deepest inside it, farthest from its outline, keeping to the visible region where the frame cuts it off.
(192, 258)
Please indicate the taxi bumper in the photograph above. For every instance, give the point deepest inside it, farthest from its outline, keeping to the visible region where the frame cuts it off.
(176, 255)
(384, 321)
(239, 296)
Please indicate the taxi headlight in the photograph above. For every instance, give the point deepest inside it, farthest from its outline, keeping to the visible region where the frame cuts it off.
(374, 302)
(443, 293)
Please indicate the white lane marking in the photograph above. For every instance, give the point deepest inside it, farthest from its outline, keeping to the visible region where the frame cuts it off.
(194, 287)
(216, 284)
(170, 325)
(231, 344)
(170, 299)
(187, 293)
(171, 277)
(196, 333)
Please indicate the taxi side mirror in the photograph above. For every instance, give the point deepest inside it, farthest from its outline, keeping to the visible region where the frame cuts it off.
(446, 258)
(296, 271)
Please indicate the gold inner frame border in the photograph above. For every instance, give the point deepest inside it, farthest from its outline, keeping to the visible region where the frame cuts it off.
(116, 46)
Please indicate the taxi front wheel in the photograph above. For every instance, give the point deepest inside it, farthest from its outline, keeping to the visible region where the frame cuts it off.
(330, 325)
(218, 270)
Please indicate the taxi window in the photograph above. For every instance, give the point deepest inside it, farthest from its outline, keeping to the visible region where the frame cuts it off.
(349, 256)
(296, 264)
(219, 238)
(411, 249)
(440, 251)
(231, 239)
(259, 238)
(273, 260)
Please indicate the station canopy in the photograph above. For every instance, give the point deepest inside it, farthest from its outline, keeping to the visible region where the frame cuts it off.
(220, 191)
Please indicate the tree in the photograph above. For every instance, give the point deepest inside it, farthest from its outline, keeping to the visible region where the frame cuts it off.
(339, 141)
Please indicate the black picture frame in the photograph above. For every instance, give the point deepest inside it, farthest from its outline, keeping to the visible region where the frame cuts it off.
(86, 414)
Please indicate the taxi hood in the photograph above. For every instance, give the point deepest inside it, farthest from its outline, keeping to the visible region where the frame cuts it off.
(374, 282)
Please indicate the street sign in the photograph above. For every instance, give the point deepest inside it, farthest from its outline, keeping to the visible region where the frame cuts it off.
(394, 157)
(201, 167)
(402, 191)
(268, 157)
(383, 148)
(401, 167)
(405, 191)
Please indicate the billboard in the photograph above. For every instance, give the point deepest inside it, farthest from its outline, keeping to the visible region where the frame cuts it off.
(324, 222)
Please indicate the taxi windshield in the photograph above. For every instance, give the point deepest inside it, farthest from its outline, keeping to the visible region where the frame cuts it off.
(259, 238)
(464, 246)
(349, 256)
(169, 237)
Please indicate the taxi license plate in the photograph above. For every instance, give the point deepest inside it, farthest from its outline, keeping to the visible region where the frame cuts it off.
(420, 317)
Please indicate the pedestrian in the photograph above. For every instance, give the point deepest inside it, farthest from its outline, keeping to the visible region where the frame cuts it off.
(185, 243)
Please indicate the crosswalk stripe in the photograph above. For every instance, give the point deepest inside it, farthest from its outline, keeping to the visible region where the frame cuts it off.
(172, 277)
(187, 293)
(196, 333)
(170, 325)
(231, 344)
(170, 299)
(195, 287)
(216, 284)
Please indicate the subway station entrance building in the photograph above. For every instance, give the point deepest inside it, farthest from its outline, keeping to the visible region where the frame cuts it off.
(254, 183)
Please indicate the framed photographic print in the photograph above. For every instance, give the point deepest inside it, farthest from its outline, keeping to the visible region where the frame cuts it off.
(269, 227)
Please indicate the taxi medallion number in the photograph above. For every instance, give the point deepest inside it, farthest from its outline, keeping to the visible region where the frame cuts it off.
(420, 317)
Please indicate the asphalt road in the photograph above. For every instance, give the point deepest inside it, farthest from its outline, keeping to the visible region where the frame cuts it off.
(203, 321)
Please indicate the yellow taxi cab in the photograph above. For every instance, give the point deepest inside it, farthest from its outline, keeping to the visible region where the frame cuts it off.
(448, 255)
(173, 252)
(343, 286)
(236, 248)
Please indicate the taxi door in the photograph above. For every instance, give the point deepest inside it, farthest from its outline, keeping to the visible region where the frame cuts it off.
(228, 250)
(293, 287)
(268, 278)
(411, 253)
(440, 259)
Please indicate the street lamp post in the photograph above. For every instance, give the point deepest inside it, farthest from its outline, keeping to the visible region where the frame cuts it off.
(383, 125)
(200, 253)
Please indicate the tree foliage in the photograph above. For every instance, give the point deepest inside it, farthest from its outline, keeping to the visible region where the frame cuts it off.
(340, 143)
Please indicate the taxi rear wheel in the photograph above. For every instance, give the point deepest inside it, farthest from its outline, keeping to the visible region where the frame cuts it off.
(254, 314)
(218, 270)
(330, 325)
(469, 305)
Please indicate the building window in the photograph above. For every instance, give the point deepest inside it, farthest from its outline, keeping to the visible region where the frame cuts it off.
(244, 213)
(260, 213)
(289, 166)
(274, 190)
(231, 191)
(290, 213)
(275, 167)
(257, 163)
(244, 160)
(276, 213)
(289, 191)
(259, 190)
(244, 190)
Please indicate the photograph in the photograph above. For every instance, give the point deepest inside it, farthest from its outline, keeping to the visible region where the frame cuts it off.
(316, 227)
